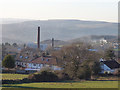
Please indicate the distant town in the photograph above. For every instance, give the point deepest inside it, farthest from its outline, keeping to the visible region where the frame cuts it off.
(88, 58)
(60, 44)
(34, 56)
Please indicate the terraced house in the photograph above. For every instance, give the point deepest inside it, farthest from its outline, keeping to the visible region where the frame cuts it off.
(30, 59)
(38, 63)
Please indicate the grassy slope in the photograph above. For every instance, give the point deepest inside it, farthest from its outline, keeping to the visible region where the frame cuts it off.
(82, 84)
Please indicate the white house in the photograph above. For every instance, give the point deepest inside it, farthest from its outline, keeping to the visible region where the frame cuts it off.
(39, 63)
(103, 41)
(109, 66)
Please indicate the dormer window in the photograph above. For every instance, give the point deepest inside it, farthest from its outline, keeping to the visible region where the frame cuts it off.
(26, 57)
(21, 56)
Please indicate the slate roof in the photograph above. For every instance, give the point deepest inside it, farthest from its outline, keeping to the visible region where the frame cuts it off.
(44, 60)
(31, 55)
(112, 64)
(27, 54)
(24, 57)
(40, 60)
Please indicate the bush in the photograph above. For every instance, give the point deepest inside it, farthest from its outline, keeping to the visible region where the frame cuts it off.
(84, 73)
(44, 76)
(62, 75)
(8, 62)
(25, 80)
(8, 71)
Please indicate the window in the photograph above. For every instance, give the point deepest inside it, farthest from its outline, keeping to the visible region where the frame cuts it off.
(26, 57)
(47, 60)
(21, 56)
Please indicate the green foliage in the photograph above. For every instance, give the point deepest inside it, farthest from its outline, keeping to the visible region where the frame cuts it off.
(8, 62)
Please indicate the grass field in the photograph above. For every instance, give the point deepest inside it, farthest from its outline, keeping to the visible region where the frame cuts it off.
(70, 84)
(80, 84)
(13, 76)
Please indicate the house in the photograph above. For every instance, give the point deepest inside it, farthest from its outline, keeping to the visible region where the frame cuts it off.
(41, 62)
(32, 59)
(38, 63)
(103, 41)
(28, 54)
(109, 66)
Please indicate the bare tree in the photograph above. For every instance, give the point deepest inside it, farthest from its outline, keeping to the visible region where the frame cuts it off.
(72, 57)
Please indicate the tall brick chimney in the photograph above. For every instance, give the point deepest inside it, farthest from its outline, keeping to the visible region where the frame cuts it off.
(52, 42)
(38, 38)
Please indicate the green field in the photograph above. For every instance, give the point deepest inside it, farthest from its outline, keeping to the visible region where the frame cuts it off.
(69, 84)
(80, 84)
(13, 76)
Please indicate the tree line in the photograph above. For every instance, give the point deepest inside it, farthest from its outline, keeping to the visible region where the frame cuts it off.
(76, 60)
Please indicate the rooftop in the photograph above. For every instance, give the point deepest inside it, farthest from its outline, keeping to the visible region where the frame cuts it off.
(112, 64)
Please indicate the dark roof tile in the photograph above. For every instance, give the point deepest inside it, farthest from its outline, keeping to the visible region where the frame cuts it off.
(112, 64)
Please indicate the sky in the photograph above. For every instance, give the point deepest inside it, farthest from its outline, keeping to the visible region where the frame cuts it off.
(93, 10)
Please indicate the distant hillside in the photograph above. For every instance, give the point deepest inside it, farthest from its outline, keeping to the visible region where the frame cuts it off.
(11, 20)
(11, 40)
(109, 38)
(59, 29)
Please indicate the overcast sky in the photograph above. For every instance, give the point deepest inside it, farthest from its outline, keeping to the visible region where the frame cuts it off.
(99, 10)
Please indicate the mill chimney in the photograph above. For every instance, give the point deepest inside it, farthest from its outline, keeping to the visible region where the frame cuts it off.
(52, 42)
(38, 38)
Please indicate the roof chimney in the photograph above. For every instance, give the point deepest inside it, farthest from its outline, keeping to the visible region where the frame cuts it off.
(38, 38)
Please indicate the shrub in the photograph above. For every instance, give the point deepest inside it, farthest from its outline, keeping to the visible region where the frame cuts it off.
(8, 62)
(84, 73)
(62, 75)
(8, 71)
(44, 76)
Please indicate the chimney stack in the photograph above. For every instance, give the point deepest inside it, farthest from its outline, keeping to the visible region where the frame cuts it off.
(53, 42)
(38, 38)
